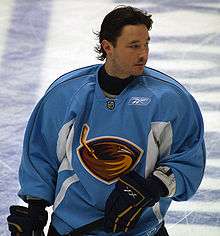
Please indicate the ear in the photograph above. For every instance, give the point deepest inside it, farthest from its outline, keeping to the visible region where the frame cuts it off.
(107, 46)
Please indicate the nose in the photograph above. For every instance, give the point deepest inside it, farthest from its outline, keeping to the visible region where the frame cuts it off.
(144, 53)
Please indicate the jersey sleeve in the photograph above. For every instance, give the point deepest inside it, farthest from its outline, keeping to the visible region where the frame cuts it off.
(39, 163)
(182, 168)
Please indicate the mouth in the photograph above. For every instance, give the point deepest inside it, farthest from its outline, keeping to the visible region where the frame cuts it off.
(139, 65)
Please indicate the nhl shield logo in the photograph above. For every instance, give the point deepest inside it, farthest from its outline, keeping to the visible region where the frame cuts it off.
(110, 104)
(107, 158)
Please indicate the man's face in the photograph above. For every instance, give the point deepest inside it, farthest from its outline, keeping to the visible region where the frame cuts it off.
(130, 53)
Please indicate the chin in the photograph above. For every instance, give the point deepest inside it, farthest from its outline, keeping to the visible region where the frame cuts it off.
(138, 72)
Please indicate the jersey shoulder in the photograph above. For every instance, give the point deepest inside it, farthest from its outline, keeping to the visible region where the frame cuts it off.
(163, 80)
(168, 92)
(76, 77)
(62, 91)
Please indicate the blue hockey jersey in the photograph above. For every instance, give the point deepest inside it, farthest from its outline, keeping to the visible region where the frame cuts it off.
(78, 141)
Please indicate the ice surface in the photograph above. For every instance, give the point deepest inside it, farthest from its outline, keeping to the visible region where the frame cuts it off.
(41, 40)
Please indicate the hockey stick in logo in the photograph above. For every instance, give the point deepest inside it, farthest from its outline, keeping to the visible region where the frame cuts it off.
(83, 141)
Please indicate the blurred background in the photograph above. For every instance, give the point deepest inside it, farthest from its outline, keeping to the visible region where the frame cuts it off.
(43, 39)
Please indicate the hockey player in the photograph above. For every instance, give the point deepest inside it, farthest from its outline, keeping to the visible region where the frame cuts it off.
(110, 145)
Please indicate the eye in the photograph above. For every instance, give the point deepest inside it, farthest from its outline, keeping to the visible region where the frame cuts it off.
(134, 46)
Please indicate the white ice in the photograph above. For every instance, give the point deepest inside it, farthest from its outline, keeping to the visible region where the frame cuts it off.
(69, 45)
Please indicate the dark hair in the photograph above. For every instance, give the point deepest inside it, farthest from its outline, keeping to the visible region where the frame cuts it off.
(114, 22)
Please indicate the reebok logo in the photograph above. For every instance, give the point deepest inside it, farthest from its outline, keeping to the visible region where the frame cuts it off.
(139, 101)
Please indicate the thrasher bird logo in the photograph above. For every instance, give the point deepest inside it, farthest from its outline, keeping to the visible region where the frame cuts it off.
(107, 158)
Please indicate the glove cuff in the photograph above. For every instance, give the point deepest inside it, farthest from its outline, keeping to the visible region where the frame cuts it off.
(166, 176)
(152, 187)
(36, 205)
(156, 187)
(36, 210)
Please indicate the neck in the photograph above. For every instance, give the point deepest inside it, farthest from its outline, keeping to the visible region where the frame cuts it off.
(111, 84)
(110, 70)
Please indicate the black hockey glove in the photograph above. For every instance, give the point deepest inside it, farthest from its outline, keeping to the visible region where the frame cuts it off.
(23, 221)
(127, 201)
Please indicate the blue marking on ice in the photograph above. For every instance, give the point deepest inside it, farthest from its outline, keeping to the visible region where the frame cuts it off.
(206, 195)
(188, 217)
(19, 73)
